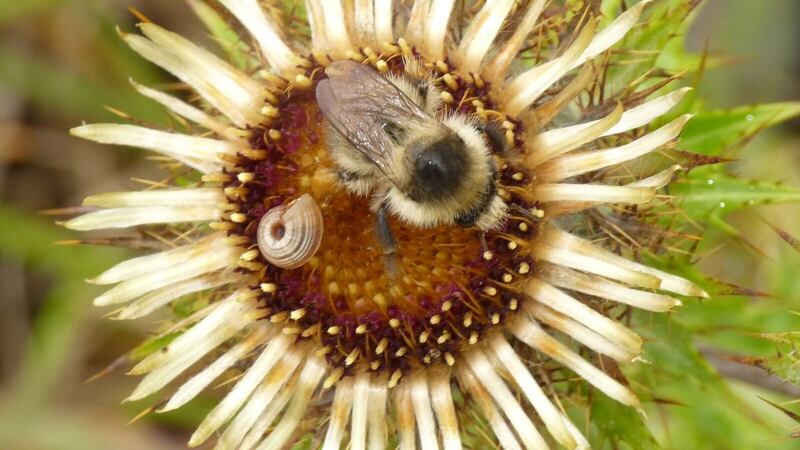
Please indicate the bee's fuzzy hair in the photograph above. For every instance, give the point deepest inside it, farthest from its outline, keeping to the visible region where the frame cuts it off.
(478, 169)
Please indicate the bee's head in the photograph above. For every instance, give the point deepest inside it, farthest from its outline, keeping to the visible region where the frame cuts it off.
(451, 179)
(439, 167)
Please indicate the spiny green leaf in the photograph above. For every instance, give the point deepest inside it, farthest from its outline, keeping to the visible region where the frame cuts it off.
(786, 366)
(662, 22)
(297, 8)
(55, 89)
(151, 346)
(786, 411)
(713, 286)
(715, 132)
(120, 63)
(675, 58)
(14, 10)
(710, 190)
(789, 338)
(30, 240)
(695, 393)
(787, 237)
(304, 443)
(188, 305)
(187, 416)
(737, 318)
(621, 425)
(238, 51)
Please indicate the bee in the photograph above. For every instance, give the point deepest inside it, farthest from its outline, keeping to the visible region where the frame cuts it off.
(388, 140)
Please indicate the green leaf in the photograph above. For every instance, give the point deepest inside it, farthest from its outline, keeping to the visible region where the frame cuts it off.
(791, 338)
(238, 51)
(663, 21)
(696, 407)
(621, 425)
(13, 10)
(151, 346)
(709, 190)
(675, 58)
(188, 305)
(297, 8)
(30, 240)
(55, 89)
(715, 132)
(736, 318)
(784, 364)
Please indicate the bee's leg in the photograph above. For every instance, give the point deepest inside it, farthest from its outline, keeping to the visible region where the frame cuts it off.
(387, 240)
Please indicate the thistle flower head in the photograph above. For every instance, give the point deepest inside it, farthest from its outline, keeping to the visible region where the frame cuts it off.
(455, 346)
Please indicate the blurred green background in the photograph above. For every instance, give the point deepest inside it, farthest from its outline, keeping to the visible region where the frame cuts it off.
(61, 62)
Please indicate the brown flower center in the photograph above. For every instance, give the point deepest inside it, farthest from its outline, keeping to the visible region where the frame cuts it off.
(447, 290)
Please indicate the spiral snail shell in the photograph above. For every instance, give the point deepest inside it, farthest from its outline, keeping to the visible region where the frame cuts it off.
(289, 235)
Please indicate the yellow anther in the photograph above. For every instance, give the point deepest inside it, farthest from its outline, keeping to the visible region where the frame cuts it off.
(270, 111)
(423, 337)
(298, 314)
(381, 347)
(245, 177)
(382, 66)
(333, 378)
(250, 255)
(447, 97)
(274, 135)
(238, 217)
(352, 357)
(302, 82)
(450, 81)
(394, 379)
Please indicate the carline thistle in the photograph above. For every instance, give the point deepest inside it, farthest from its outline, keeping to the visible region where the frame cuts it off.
(393, 224)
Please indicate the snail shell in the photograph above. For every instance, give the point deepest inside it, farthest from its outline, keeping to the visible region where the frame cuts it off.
(289, 235)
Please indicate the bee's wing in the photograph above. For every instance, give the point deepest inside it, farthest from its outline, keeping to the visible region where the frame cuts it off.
(360, 103)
